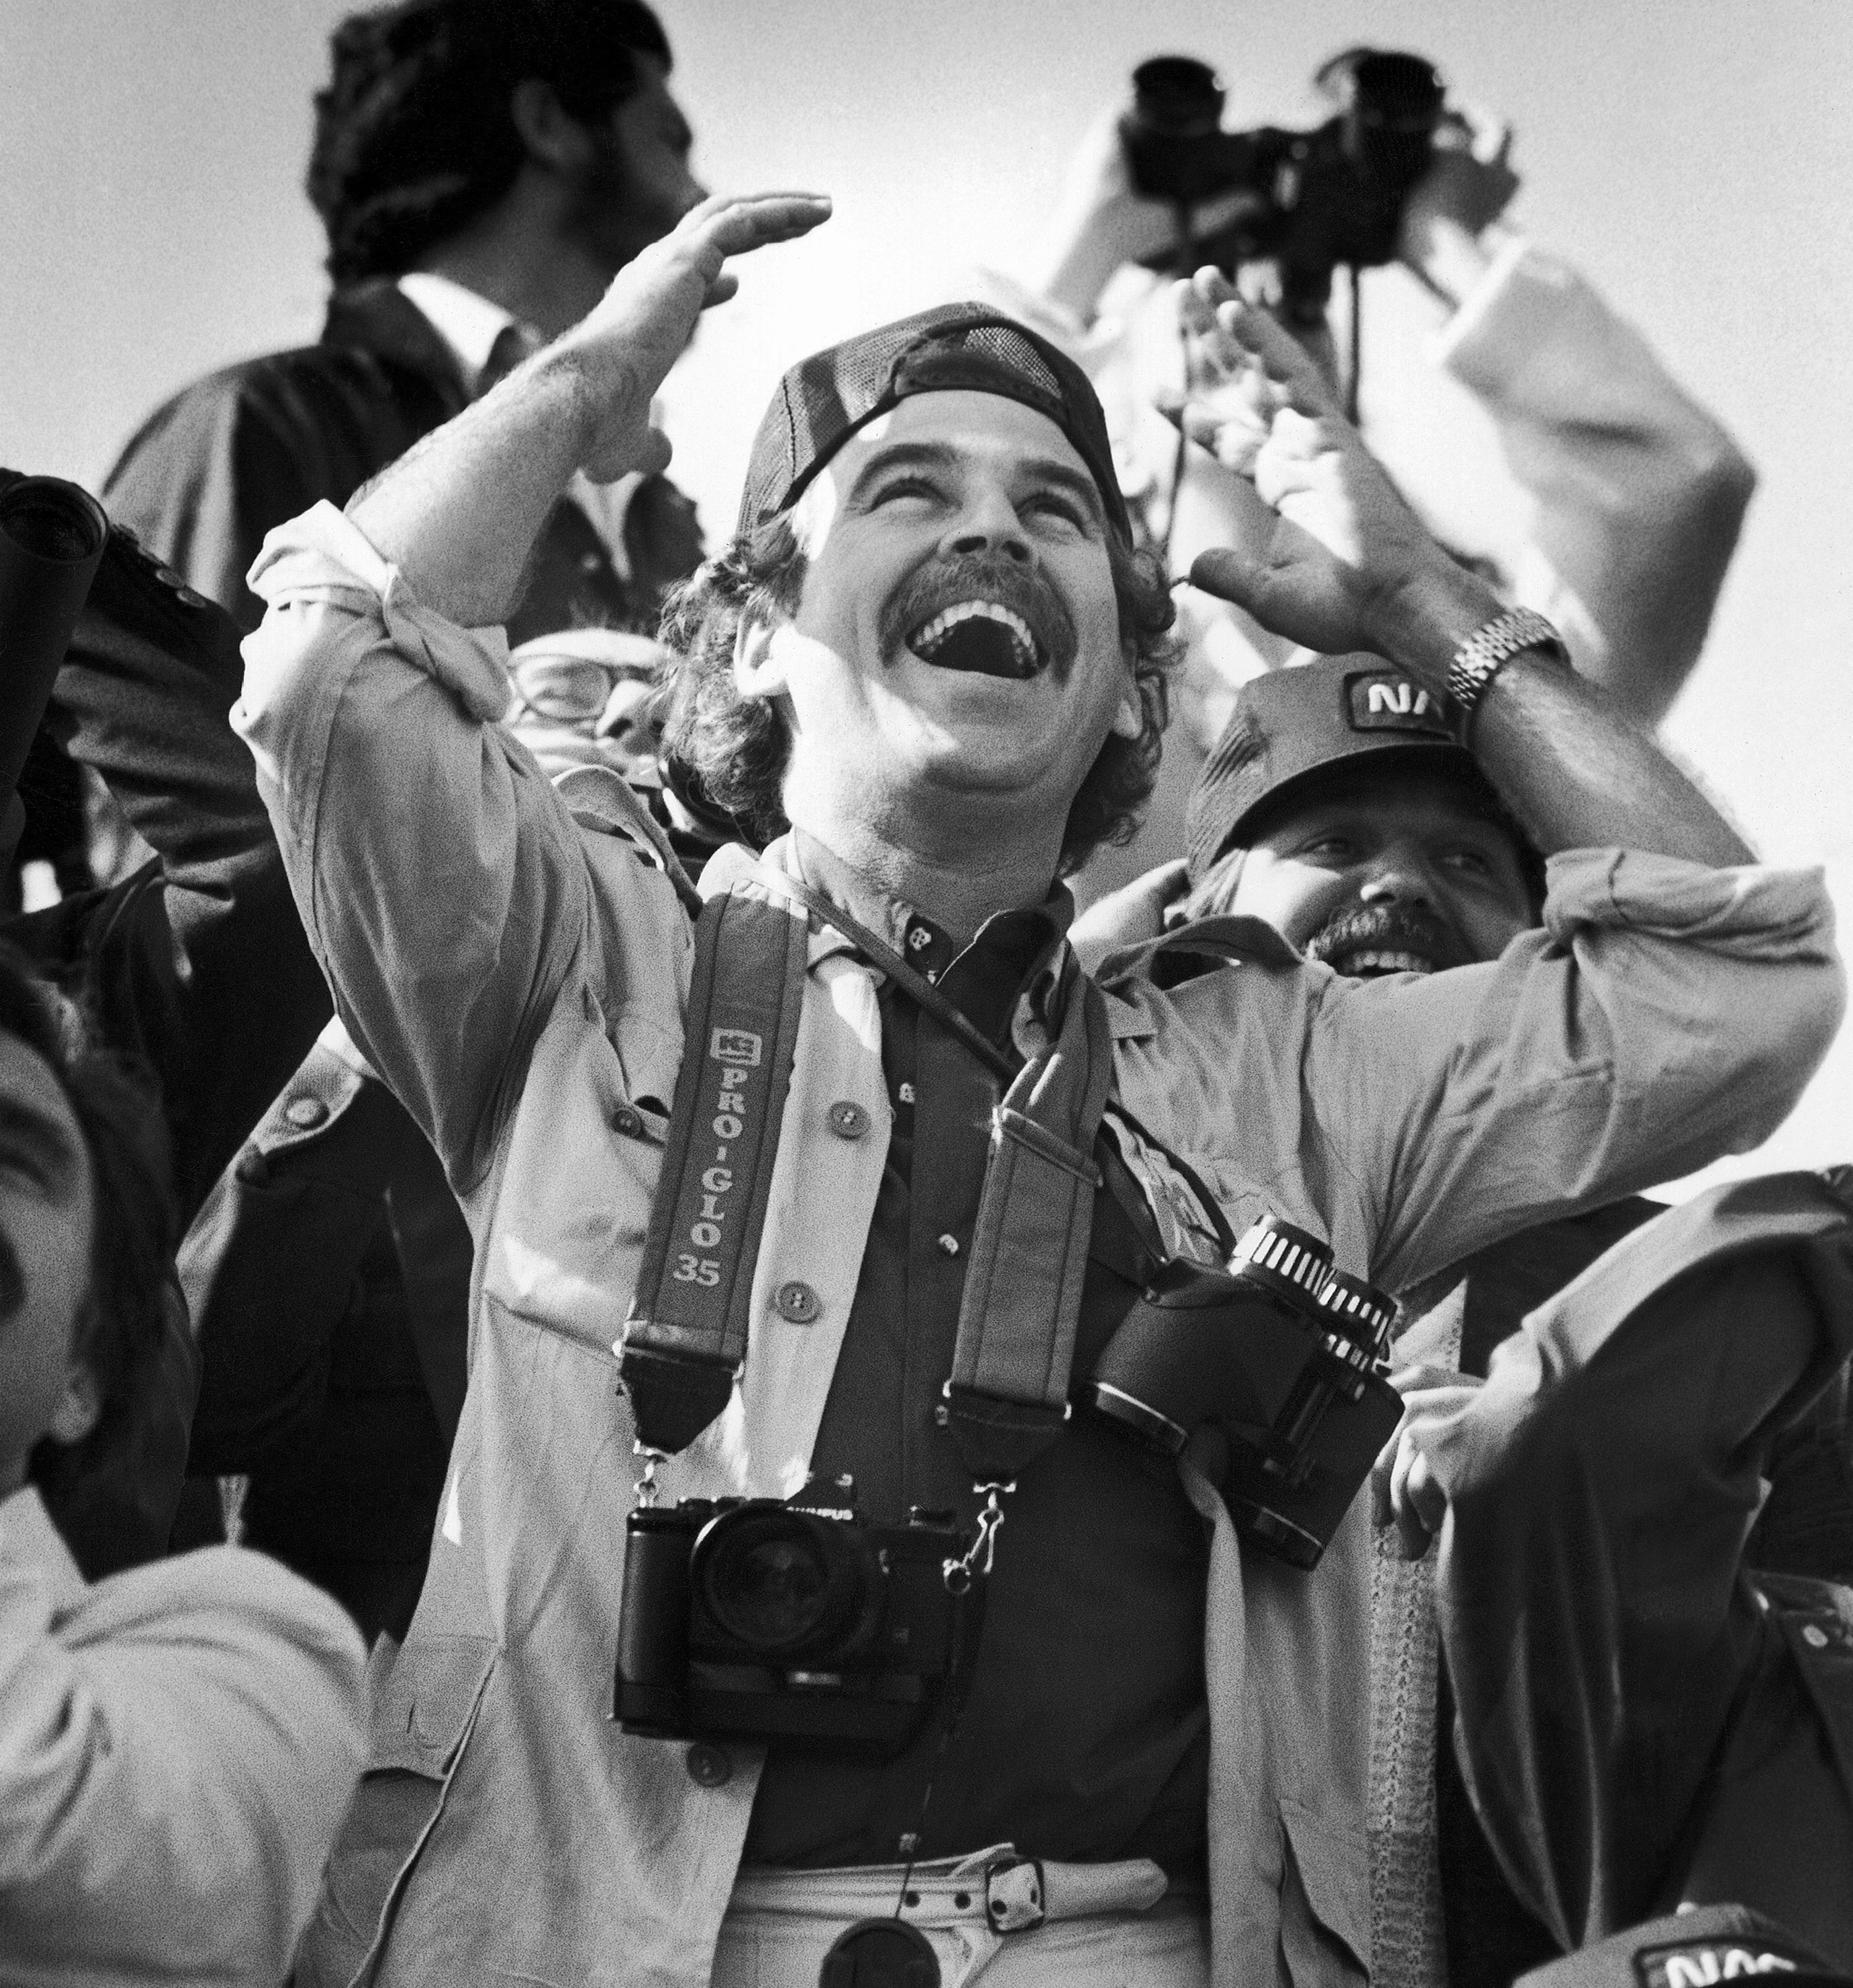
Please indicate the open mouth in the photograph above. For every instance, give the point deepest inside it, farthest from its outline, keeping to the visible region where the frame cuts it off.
(1371, 963)
(982, 636)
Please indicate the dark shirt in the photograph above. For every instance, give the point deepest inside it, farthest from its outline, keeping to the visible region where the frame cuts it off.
(1084, 1734)
(231, 457)
(1491, 1936)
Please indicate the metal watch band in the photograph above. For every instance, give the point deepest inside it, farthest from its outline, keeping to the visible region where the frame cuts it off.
(1480, 658)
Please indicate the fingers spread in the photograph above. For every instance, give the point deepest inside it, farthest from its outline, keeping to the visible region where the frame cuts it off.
(1286, 361)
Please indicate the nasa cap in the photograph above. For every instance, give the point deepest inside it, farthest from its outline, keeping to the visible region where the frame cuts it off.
(1294, 723)
(1693, 1949)
(825, 399)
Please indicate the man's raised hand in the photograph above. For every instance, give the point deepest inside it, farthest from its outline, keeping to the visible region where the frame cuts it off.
(627, 344)
(1325, 569)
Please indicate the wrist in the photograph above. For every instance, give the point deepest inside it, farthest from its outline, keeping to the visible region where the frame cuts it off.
(589, 394)
(1421, 624)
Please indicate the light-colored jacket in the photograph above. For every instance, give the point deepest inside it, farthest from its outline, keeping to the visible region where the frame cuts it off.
(178, 1745)
(519, 976)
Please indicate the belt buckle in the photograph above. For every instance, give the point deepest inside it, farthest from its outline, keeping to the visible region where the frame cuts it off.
(1014, 1896)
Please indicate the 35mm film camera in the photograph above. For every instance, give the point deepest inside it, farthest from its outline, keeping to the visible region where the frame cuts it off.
(1330, 196)
(757, 1618)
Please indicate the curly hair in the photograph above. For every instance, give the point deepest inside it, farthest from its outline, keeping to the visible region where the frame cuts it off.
(123, 1322)
(414, 136)
(734, 749)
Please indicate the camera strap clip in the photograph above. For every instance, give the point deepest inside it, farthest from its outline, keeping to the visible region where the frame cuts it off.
(976, 1559)
(647, 1490)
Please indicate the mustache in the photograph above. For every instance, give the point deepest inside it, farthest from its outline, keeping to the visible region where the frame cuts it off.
(989, 575)
(1388, 928)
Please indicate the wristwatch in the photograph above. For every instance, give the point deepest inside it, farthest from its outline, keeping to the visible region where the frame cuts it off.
(1487, 651)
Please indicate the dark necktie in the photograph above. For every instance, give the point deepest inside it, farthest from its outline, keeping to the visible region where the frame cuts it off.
(514, 344)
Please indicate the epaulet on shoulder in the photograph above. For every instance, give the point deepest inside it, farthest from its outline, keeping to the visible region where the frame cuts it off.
(600, 799)
(1195, 948)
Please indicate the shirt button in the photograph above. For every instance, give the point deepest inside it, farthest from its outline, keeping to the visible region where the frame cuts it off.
(797, 1302)
(1814, 1636)
(626, 1121)
(949, 1244)
(709, 1766)
(848, 1120)
(305, 1113)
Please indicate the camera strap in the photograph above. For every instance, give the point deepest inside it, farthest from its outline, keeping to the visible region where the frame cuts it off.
(1007, 1397)
(686, 1337)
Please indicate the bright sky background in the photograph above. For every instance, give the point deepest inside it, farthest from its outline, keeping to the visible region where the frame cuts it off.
(1694, 157)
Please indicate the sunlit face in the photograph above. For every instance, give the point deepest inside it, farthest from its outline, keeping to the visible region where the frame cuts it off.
(958, 634)
(46, 1214)
(639, 184)
(1392, 871)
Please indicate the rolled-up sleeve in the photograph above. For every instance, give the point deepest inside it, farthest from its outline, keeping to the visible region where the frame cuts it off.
(438, 876)
(1666, 1013)
(1639, 492)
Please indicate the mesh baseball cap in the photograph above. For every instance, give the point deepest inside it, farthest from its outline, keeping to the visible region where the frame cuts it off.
(825, 399)
(1293, 723)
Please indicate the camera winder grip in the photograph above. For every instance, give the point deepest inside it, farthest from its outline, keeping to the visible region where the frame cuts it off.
(1283, 1354)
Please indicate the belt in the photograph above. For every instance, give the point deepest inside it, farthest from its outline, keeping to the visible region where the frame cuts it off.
(994, 1888)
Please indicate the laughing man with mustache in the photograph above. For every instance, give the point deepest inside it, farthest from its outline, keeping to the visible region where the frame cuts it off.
(930, 662)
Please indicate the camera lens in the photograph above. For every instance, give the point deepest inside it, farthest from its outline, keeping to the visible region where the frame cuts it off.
(53, 520)
(776, 1580)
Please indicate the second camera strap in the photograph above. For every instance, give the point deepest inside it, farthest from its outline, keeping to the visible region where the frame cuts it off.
(1007, 1396)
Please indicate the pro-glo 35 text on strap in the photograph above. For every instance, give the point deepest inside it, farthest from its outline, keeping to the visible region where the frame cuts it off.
(687, 1334)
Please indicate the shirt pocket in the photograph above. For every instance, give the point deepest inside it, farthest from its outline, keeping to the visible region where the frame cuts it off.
(1325, 1893)
(424, 1710)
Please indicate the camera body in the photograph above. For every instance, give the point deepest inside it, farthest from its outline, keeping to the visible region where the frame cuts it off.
(1284, 1355)
(757, 1619)
(1330, 195)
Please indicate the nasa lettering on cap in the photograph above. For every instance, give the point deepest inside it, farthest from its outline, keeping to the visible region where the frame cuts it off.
(1702, 1963)
(1690, 1949)
(1291, 727)
(1386, 701)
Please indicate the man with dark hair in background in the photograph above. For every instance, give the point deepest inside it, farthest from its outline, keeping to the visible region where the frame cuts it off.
(483, 168)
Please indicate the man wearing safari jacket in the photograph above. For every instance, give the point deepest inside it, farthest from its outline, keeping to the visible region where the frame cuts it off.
(931, 654)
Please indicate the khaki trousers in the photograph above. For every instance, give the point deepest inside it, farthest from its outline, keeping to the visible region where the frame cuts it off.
(1105, 1926)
